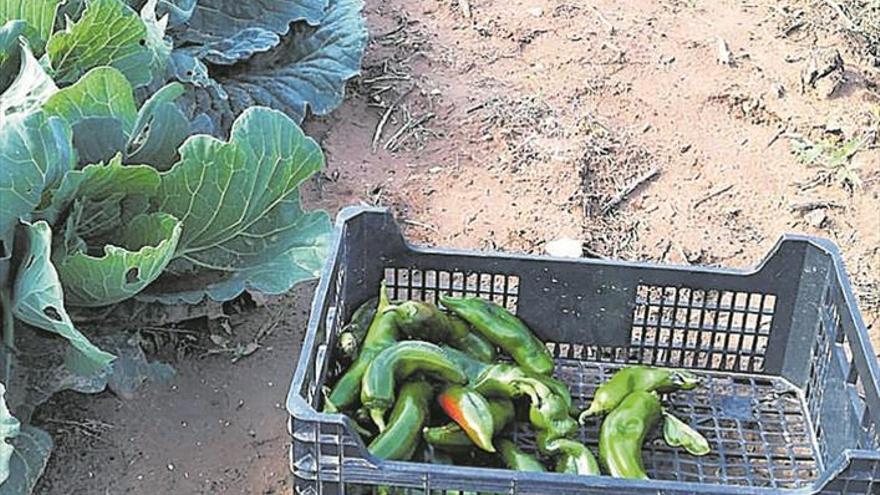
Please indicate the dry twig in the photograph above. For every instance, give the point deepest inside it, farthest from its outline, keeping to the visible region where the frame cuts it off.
(384, 120)
(632, 186)
(713, 194)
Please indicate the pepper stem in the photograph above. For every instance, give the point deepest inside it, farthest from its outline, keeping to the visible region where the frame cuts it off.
(378, 417)
(527, 387)
(383, 296)
(329, 406)
(390, 308)
(587, 413)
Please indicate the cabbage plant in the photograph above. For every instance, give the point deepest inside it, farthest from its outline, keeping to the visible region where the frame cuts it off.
(150, 150)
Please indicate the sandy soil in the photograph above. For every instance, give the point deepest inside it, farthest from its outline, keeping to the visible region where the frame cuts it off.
(507, 128)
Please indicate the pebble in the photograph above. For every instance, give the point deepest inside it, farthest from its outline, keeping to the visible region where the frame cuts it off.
(565, 247)
(816, 218)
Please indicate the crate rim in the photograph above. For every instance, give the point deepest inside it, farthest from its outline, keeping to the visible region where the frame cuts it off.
(297, 407)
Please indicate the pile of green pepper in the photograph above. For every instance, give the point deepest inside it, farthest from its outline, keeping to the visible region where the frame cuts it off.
(425, 376)
(632, 404)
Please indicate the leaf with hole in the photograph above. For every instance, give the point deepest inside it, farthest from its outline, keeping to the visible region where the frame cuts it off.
(145, 246)
(159, 130)
(38, 298)
(24, 85)
(110, 33)
(32, 447)
(111, 249)
(101, 110)
(35, 152)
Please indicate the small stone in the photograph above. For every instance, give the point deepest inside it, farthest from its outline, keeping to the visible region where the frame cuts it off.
(724, 56)
(565, 248)
(171, 467)
(536, 11)
(778, 90)
(834, 126)
(816, 218)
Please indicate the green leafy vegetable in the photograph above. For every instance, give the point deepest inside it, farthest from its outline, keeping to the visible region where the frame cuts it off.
(300, 263)
(102, 111)
(9, 429)
(35, 153)
(159, 130)
(38, 298)
(178, 11)
(29, 85)
(103, 92)
(32, 448)
(29, 459)
(214, 20)
(159, 46)
(102, 96)
(10, 32)
(147, 245)
(239, 200)
(108, 33)
(107, 198)
(307, 70)
(38, 15)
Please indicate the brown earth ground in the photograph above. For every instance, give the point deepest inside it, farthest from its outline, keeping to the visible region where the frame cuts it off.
(511, 124)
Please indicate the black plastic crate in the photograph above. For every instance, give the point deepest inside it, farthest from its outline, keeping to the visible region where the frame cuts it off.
(791, 403)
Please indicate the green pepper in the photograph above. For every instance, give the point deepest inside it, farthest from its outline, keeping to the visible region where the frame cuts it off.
(623, 432)
(516, 459)
(472, 367)
(501, 379)
(398, 362)
(473, 343)
(504, 330)
(451, 437)
(559, 388)
(470, 410)
(637, 378)
(550, 418)
(425, 321)
(573, 457)
(382, 334)
(399, 441)
(355, 330)
(677, 433)
(548, 411)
